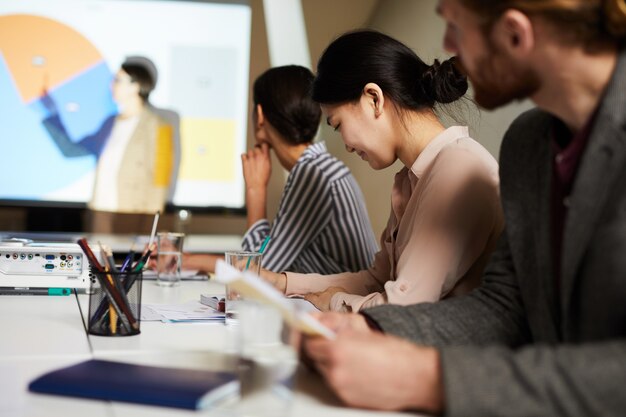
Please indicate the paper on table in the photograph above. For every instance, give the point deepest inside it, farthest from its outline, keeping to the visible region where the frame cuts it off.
(211, 301)
(303, 305)
(148, 313)
(252, 286)
(189, 312)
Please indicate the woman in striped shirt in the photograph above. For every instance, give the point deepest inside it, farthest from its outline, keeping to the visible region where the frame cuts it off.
(322, 224)
(446, 214)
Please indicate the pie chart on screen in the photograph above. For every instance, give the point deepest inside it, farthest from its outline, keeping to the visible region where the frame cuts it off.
(39, 54)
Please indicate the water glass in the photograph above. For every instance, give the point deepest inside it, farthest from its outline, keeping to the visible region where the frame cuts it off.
(244, 261)
(169, 258)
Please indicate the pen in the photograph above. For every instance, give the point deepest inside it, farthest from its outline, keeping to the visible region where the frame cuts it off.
(34, 291)
(129, 258)
(263, 245)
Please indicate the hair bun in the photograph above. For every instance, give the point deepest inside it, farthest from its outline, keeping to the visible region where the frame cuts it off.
(443, 82)
(615, 17)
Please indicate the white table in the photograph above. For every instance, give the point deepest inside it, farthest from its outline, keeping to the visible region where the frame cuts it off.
(41, 333)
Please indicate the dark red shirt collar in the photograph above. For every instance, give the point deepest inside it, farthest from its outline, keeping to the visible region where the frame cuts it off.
(568, 150)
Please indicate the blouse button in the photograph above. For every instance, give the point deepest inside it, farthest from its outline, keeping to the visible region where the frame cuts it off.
(402, 287)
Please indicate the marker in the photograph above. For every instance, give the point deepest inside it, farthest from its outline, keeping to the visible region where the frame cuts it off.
(34, 291)
(263, 245)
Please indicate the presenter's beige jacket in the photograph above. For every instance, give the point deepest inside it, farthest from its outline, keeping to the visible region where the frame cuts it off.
(143, 178)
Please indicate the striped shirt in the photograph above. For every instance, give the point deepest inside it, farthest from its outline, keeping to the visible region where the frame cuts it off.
(322, 224)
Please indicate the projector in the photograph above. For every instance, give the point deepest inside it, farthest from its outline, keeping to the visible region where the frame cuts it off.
(24, 263)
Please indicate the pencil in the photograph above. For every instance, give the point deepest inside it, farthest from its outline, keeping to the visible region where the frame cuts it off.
(108, 257)
(154, 227)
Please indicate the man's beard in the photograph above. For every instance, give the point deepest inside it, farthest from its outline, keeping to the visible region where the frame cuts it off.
(498, 81)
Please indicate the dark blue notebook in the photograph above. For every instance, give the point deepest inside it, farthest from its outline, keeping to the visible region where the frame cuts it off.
(117, 381)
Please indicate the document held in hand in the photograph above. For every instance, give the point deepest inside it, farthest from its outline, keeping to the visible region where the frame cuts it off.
(254, 287)
(117, 381)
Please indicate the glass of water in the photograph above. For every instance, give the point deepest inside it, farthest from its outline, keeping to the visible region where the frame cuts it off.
(169, 258)
(244, 261)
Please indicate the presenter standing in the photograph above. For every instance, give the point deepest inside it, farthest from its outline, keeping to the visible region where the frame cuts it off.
(134, 151)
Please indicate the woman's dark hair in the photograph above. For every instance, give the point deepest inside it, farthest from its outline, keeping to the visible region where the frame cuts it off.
(284, 95)
(142, 76)
(357, 58)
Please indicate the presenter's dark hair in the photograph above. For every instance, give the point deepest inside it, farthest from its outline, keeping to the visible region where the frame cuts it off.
(357, 58)
(142, 76)
(284, 95)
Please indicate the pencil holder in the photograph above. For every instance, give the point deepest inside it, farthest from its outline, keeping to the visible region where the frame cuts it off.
(115, 304)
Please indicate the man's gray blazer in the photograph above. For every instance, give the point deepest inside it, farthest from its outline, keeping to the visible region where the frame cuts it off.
(514, 346)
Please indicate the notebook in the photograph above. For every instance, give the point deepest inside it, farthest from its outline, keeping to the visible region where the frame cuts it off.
(117, 381)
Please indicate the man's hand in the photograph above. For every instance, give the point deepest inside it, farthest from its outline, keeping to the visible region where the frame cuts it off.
(376, 371)
(279, 281)
(321, 299)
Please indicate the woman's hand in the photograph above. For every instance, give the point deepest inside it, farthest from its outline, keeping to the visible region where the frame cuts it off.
(321, 299)
(257, 168)
(204, 263)
(279, 281)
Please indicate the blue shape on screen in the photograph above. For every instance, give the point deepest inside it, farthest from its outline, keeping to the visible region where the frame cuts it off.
(31, 165)
(90, 91)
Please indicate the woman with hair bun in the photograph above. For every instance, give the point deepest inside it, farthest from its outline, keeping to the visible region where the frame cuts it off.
(445, 212)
